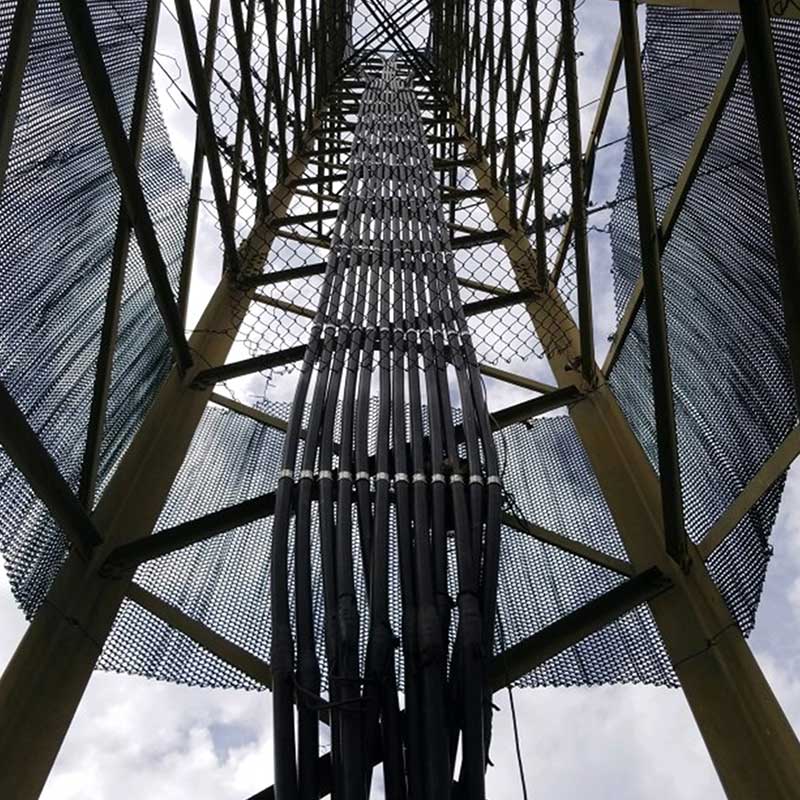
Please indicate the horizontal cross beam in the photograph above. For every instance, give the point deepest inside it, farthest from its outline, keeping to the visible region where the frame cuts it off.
(30, 457)
(495, 303)
(218, 645)
(236, 369)
(521, 412)
(87, 49)
(281, 275)
(567, 544)
(788, 9)
(525, 656)
(129, 556)
(523, 381)
(771, 470)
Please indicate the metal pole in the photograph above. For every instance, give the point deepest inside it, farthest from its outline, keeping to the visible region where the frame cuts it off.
(13, 73)
(22, 445)
(585, 323)
(43, 684)
(666, 434)
(752, 744)
(206, 123)
(119, 259)
(196, 180)
(776, 154)
(87, 49)
(244, 42)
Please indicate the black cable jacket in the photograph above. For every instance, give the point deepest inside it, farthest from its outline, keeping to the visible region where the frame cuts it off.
(380, 692)
(469, 557)
(413, 731)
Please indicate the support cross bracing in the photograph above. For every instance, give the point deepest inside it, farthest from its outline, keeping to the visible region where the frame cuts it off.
(723, 683)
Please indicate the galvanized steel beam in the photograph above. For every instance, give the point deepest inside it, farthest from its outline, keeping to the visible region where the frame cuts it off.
(779, 166)
(280, 358)
(196, 179)
(19, 44)
(25, 449)
(119, 259)
(170, 540)
(770, 472)
(666, 434)
(568, 545)
(84, 39)
(224, 649)
(200, 89)
(517, 661)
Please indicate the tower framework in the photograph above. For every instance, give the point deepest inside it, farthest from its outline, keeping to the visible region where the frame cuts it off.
(385, 180)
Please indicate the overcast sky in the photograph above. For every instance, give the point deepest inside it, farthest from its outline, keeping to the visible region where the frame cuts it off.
(135, 738)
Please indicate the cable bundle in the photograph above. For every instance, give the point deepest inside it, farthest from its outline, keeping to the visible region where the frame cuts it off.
(390, 315)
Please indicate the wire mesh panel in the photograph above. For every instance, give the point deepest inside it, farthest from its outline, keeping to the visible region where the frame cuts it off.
(730, 366)
(59, 209)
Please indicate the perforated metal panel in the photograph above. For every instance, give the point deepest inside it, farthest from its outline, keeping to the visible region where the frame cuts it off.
(59, 213)
(732, 383)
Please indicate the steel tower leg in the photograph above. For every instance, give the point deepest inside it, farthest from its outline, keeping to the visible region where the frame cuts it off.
(776, 154)
(43, 684)
(754, 749)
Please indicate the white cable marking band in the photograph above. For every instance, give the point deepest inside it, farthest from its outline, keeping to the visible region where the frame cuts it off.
(325, 474)
(307, 473)
(437, 478)
(363, 476)
(494, 479)
(287, 473)
(400, 476)
(476, 479)
(456, 479)
(383, 476)
(344, 475)
(419, 477)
